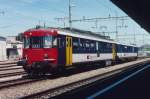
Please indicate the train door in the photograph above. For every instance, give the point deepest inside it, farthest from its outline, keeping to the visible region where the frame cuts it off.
(62, 50)
(68, 51)
(114, 54)
(97, 49)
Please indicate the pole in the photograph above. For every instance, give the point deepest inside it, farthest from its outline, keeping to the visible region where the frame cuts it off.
(134, 38)
(70, 15)
(143, 44)
(44, 24)
(116, 27)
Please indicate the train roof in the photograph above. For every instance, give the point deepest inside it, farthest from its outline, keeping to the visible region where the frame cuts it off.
(84, 32)
(79, 33)
(73, 30)
(85, 35)
(88, 35)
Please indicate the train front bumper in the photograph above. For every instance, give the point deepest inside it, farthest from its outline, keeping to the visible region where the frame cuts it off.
(22, 62)
(40, 66)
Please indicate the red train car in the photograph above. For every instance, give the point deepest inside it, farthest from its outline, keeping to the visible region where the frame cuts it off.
(40, 50)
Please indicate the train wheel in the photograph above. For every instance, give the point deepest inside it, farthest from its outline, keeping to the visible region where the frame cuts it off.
(58, 71)
(55, 71)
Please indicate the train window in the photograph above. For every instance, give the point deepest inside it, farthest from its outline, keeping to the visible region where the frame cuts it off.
(54, 43)
(92, 45)
(47, 42)
(87, 45)
(121, 48)
(63, 42)
(80, 43)
(132, 49)
(109, 48)
(75, 43)
(26, 42)
(136, 49)
(36, 42)
(100, 47)
(104, 46)
(97, 46)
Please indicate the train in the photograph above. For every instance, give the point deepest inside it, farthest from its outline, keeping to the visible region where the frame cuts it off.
(47, 50)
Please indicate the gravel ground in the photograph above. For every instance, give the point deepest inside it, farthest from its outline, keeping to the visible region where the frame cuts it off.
(27, 89)
(11, 71)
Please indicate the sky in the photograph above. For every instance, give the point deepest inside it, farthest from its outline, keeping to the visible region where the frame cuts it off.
(20, 15)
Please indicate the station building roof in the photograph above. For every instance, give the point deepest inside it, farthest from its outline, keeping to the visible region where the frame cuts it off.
(138, 10)
(2, 38)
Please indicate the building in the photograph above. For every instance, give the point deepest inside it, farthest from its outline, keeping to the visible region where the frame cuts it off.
(144, 51)
(14, 48)
(3, 56)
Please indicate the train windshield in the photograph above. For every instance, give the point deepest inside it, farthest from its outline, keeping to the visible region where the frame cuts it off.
(38, 42)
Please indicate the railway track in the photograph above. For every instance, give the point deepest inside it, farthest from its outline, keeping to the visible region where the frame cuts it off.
(9, 69)
(19, 80)
(12, 74)
(7, 65)
(8, 62)
(69, 87)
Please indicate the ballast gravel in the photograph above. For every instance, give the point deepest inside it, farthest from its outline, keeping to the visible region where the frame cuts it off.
(16, 92)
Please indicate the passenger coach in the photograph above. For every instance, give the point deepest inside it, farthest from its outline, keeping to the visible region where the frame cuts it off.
(51, 49)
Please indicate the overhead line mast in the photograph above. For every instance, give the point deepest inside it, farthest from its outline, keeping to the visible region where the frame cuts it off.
(69, 18)
(70, 15)
(2, 12)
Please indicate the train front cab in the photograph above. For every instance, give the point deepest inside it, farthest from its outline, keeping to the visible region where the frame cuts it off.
(40, 51)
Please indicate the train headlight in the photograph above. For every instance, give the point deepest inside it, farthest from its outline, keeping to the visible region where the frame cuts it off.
(25, 57)
(45, 56)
